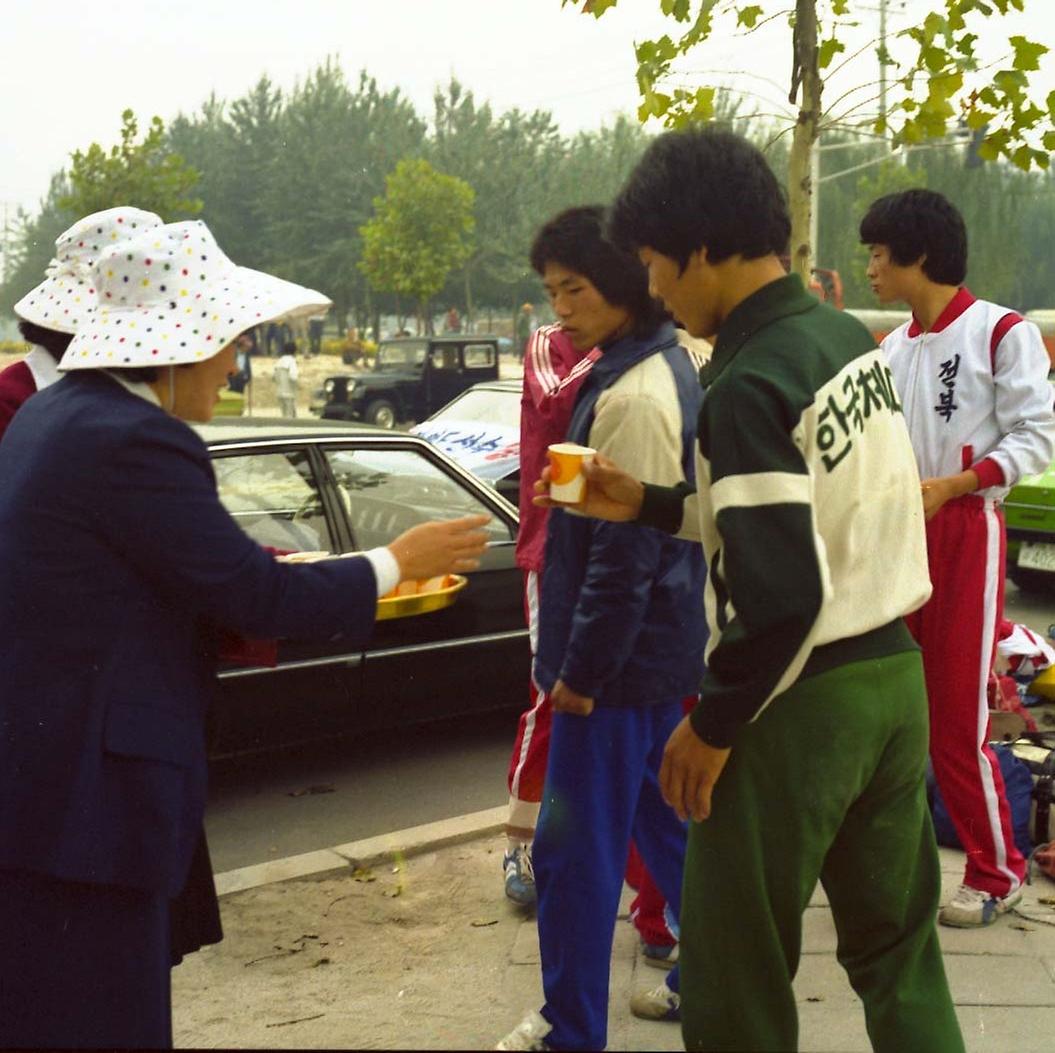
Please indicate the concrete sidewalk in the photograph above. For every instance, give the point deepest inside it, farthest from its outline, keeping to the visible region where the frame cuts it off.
(407, 945)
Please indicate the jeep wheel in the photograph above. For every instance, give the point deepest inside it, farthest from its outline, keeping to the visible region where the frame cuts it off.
(382, 413)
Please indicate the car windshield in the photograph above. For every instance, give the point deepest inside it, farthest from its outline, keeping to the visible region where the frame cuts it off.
(484, 406)
(401, 356)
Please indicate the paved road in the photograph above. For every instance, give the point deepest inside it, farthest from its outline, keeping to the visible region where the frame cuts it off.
(390, 782)
(262, 808)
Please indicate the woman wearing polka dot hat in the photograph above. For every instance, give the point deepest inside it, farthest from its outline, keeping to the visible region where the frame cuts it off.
(52, 312)
(116, 559)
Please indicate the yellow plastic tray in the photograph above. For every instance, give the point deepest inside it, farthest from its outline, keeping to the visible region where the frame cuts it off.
(395, 606)
(421, 603)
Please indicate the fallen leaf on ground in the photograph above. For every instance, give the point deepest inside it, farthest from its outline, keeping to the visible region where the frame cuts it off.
(279, 953)
(299, 1020)
(320, 788)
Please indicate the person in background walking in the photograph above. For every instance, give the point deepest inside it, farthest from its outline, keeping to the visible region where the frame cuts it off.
(242, 379)
(287, 377)
(972, 378)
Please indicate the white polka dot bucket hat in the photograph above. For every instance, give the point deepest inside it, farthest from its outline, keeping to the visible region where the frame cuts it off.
(170, 296)
(65, 299)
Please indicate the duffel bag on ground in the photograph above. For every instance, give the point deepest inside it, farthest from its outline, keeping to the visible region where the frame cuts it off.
(1037, 751)
(1018, 781)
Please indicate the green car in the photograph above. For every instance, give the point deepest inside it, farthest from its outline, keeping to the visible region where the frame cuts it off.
(1030, 512)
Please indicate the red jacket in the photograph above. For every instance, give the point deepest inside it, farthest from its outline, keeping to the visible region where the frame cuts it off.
(553, 373)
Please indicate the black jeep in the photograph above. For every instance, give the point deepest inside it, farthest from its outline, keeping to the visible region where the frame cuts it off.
(412, 378)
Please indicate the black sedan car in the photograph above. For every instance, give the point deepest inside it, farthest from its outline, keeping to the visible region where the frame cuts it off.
(316, 486)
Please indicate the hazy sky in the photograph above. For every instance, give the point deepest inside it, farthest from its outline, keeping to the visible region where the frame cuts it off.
(69, 67)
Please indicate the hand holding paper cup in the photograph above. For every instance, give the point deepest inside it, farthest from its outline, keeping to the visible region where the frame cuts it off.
(567, 483)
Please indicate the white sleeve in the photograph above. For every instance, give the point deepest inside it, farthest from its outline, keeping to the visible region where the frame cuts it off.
(1024, 410)
(386, 569)
(641, 435)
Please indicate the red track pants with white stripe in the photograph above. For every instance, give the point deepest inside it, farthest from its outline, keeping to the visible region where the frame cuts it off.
(956, 630)
(527, 766)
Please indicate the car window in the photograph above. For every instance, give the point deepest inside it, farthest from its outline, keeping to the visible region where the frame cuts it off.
(479, 356)
(484, 406)
(445, 356)
(389, 491)
(274, 498)
(400, 356)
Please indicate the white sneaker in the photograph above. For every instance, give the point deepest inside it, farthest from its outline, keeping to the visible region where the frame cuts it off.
(971, 908)
(661, 1003)
(530, 1033)
(520, 876)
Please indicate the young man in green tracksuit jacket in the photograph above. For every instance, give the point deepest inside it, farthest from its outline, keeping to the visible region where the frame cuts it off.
(805, 756)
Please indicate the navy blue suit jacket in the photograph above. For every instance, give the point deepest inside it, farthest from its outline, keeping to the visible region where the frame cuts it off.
(115, 553)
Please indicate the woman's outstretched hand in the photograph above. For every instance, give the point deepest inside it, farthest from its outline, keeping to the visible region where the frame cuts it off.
(447, 547)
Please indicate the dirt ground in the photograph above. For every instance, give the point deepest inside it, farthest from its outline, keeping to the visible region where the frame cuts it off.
(410, 955)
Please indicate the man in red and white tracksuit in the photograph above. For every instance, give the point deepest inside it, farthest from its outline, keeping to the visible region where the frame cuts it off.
(972, 378)
(553, 373)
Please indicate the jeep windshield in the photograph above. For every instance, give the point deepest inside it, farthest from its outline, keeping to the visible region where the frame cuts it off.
(400, 357)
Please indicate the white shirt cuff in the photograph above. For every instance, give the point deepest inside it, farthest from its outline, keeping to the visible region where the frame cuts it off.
(386, 569)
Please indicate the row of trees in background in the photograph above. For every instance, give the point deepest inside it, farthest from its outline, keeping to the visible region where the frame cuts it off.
(346, 188)
(295, 183)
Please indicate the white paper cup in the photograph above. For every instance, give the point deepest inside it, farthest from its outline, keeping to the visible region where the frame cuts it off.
(567, 483)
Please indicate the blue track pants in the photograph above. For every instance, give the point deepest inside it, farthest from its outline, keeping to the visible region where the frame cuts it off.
(601, 789)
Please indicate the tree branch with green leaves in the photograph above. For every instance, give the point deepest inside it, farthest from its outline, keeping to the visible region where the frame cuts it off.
(940, 82)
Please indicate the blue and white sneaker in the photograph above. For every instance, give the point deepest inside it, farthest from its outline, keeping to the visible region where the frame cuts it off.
(520, 876)
(971, 908)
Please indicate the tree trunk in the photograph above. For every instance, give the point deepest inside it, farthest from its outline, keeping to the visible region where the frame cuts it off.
(802, 194)
(468, 326)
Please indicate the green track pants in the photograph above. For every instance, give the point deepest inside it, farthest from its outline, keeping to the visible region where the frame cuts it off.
(828, 783)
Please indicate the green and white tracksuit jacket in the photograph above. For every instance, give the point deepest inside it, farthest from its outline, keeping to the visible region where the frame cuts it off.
(808, 507)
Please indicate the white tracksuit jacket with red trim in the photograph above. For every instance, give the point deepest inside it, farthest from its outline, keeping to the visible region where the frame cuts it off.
(975, 393)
